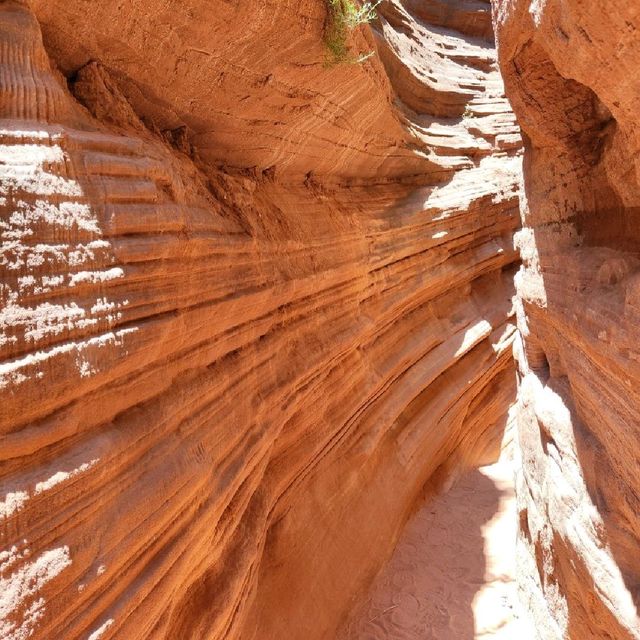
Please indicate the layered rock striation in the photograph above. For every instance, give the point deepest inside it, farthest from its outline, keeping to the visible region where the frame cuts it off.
(251, 304)
(570, 72)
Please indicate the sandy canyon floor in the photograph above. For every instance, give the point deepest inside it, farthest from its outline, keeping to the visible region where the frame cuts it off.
(452, 575)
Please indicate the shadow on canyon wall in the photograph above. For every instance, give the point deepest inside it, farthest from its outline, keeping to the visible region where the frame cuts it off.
(428, 588)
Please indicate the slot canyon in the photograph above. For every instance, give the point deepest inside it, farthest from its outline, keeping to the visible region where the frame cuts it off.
(319, 320)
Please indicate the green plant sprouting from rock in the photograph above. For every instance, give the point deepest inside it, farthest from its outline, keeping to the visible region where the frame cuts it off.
(344, 17)
(467, 113)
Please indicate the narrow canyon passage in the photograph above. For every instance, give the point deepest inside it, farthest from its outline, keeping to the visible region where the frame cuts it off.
(452, 574)
(271, 272)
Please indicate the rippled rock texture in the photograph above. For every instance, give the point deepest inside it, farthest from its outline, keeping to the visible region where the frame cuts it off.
(570, 68)
(251, 304)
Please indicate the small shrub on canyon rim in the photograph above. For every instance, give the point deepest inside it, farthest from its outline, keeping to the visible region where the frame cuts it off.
(344, 17)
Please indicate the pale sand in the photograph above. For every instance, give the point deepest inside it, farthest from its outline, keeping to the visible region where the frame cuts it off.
(452, 575)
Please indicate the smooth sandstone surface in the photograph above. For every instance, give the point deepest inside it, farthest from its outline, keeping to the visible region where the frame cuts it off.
(250, 305)
(571, 72)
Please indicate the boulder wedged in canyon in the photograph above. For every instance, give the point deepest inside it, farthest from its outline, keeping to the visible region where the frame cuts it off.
(251, 304)
(570, 69)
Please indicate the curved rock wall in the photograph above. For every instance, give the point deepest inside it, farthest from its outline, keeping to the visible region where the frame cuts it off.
(570, 69)
(250, 305)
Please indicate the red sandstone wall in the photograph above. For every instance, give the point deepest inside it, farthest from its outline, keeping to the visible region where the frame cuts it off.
(570, 69)
(250, 305)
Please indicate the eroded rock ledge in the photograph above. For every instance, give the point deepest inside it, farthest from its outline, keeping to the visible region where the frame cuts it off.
(570, 68)
(250, 305)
